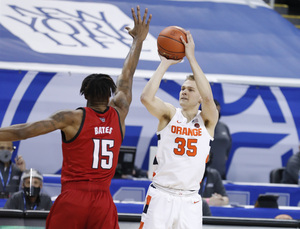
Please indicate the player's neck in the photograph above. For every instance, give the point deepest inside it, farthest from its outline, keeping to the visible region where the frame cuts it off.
(189, 114)
(101, 106)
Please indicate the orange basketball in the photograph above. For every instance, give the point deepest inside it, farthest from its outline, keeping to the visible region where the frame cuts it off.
(169, 43)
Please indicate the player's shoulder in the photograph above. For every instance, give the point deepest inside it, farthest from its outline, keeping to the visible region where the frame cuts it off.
(78, 111)
(171, 109)
(168, 114)
(69, 111)
(68, 116)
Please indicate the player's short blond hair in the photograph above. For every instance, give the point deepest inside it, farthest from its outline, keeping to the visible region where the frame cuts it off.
(190, 77)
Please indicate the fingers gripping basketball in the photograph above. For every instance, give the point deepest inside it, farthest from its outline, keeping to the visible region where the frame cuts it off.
(169, 43)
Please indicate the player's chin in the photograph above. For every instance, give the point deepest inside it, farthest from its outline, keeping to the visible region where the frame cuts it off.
(182, 101)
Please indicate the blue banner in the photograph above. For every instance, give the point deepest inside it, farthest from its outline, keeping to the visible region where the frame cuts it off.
(263, 121)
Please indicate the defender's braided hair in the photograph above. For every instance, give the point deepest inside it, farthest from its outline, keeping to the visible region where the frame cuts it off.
(98, 87)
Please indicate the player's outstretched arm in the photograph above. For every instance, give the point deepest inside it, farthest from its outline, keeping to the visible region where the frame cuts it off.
(208, 107)
(123, 95)
(63, 120)
(155, 105)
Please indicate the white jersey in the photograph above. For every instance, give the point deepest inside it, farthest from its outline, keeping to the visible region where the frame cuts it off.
(182, 152)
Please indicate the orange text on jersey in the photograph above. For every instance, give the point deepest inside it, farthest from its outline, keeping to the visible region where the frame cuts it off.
(186, 131)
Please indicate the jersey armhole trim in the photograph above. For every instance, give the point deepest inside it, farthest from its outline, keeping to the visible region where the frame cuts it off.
(122, 136)
(79, 130)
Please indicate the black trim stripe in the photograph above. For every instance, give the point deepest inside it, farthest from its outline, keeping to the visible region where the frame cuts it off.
(79, 130)
(158, 137)
(145, 209)
(99, 112)
(119, 124)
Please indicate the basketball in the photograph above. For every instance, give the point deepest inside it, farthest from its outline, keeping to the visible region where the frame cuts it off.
(169, 43)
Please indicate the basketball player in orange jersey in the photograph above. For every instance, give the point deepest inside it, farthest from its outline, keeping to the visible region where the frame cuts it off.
(184, 135)
(91, 139)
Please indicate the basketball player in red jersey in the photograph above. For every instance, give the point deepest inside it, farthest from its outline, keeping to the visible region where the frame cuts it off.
(91, 139)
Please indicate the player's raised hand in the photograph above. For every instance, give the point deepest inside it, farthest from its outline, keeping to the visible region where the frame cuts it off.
(168, 61)
(189, 45)
(141, 27)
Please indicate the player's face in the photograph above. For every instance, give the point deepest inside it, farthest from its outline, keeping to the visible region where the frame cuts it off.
(189, 94)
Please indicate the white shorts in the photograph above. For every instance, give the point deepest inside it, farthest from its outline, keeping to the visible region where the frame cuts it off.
(170, 209)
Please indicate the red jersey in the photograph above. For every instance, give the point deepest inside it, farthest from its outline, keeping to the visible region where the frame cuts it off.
(92, 155)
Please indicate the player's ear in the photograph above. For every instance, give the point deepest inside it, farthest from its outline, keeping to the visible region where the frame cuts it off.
(200, 99)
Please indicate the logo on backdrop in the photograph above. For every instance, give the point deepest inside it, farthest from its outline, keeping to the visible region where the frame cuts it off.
(73, 28)
(262, 126)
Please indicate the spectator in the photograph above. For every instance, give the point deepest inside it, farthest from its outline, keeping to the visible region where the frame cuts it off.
(290, 174)
(284, 216)
(140, 173)
(136, 173)
(30, 197)
(10, 173)
(212, 188)
(220, 146)
(205, 208)
(266, 201)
